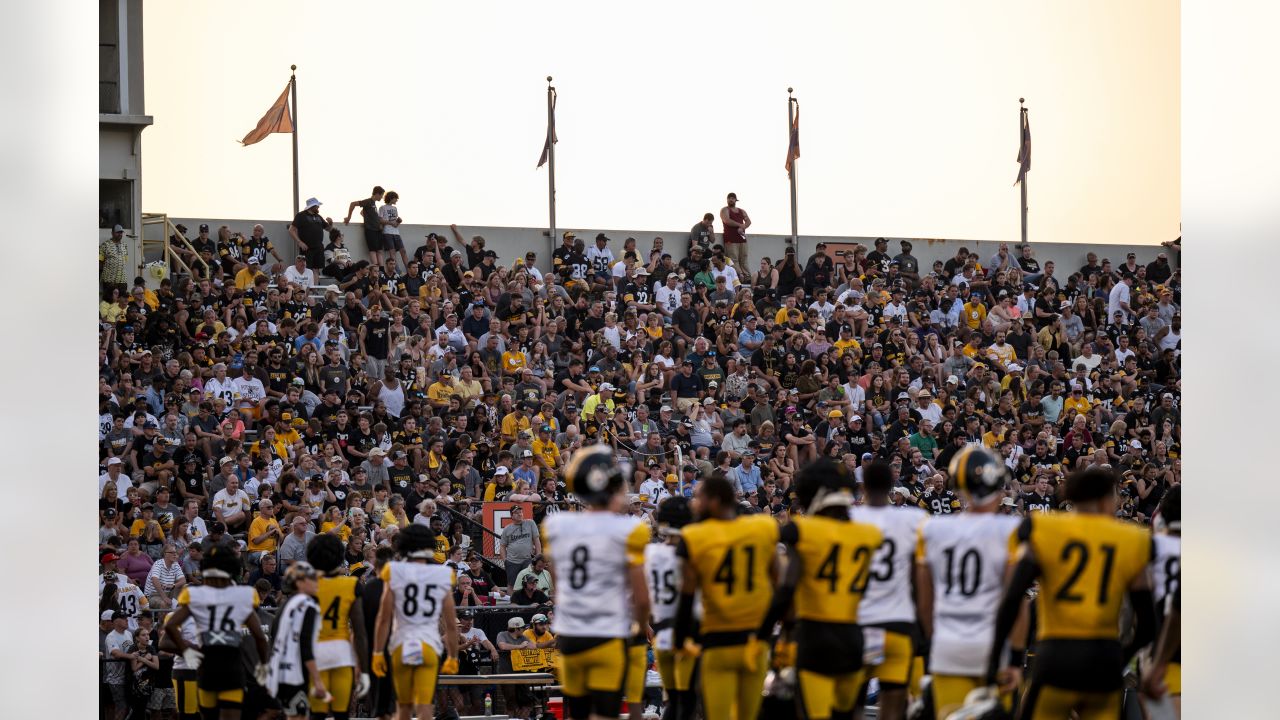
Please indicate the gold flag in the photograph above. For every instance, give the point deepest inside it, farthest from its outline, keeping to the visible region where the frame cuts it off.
(277, 120)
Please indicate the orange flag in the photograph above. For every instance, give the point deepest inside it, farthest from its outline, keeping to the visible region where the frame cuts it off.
(277, 120)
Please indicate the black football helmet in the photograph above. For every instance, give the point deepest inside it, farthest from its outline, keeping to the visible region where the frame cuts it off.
(674, 513)
(593, 475)
(978, 472)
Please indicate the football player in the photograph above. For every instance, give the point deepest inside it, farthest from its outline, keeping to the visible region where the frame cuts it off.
(888, 612)
(1167, 581)
(597, 562)
(1086, 560)
(418, 595)
(733, 562)
(296, 633)
(341, 623)
(828, 565)
(219, 608)
(662, 570)
(962, 562)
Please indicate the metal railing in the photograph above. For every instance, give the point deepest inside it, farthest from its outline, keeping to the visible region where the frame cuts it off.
(168, 254)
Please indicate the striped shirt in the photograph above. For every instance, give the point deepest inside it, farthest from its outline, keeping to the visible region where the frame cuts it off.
(163, 576)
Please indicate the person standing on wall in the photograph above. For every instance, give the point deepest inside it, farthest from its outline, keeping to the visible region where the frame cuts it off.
(307, 230)
(735, 221)
(389, 216)
(372, 223)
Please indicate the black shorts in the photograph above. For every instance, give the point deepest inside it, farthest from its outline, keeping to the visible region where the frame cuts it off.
(1082, 665)
(392, 241)
(373, 239)
(828, 648)
(293, 700)
(221, 670)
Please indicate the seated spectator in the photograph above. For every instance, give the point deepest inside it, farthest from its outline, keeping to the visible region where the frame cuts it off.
(528, 593)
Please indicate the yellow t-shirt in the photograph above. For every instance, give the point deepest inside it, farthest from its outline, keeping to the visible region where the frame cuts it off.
(138, 526)
(974, 314)
(548, 451)
(440, 392)
(842, 345)
(329, 525)
(513, 361)
(256, 528)
(245, 278)
(1081, 406)
(512, 425)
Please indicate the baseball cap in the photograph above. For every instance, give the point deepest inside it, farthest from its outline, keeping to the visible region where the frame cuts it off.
(109, 614)
(502, 470)
(903, 396)
(606, 387)
(108, 558)
(113, 461)
(204, 227)
(953, 380)
(665, 408)
(837, 413)
(539, 618)
(515, 622)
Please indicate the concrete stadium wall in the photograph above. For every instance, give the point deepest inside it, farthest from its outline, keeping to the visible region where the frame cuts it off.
(512, 242)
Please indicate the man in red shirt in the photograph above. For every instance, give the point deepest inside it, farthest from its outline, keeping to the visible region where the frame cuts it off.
(735, 221)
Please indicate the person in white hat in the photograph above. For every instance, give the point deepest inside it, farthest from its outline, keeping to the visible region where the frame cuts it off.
(308, 230)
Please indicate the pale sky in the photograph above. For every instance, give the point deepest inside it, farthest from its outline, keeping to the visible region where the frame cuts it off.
(909, 119)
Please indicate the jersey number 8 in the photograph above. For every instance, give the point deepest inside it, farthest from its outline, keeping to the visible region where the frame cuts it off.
(411, 604)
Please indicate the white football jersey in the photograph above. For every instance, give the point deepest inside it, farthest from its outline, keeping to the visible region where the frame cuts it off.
(191, 636)
(662, 570)
(419, 591)
(967, 554)
(591, 554)
(1166, 567)
(888, 595)
(220, 611)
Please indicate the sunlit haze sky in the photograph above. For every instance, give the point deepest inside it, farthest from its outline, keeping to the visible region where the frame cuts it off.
(909, 113)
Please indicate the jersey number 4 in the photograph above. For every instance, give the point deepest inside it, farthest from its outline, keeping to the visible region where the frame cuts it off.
(727, 575)
(829, 570)
(411, 604)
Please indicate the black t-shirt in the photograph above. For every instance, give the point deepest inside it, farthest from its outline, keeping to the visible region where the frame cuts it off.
(768, 361)
(377, 338)
(310, 227)
(369, 211)
(1035, 502)
(881, 259)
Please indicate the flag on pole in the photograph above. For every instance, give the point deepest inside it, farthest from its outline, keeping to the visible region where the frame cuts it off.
(551, 135)
(277, 120)
(793, 147)
(1024, 149)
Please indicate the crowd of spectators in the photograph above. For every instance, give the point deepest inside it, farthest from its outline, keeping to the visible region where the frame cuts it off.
(259, 402)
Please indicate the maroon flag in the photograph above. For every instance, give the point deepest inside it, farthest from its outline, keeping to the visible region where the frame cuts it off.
(793, 147)
(1024, 149)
